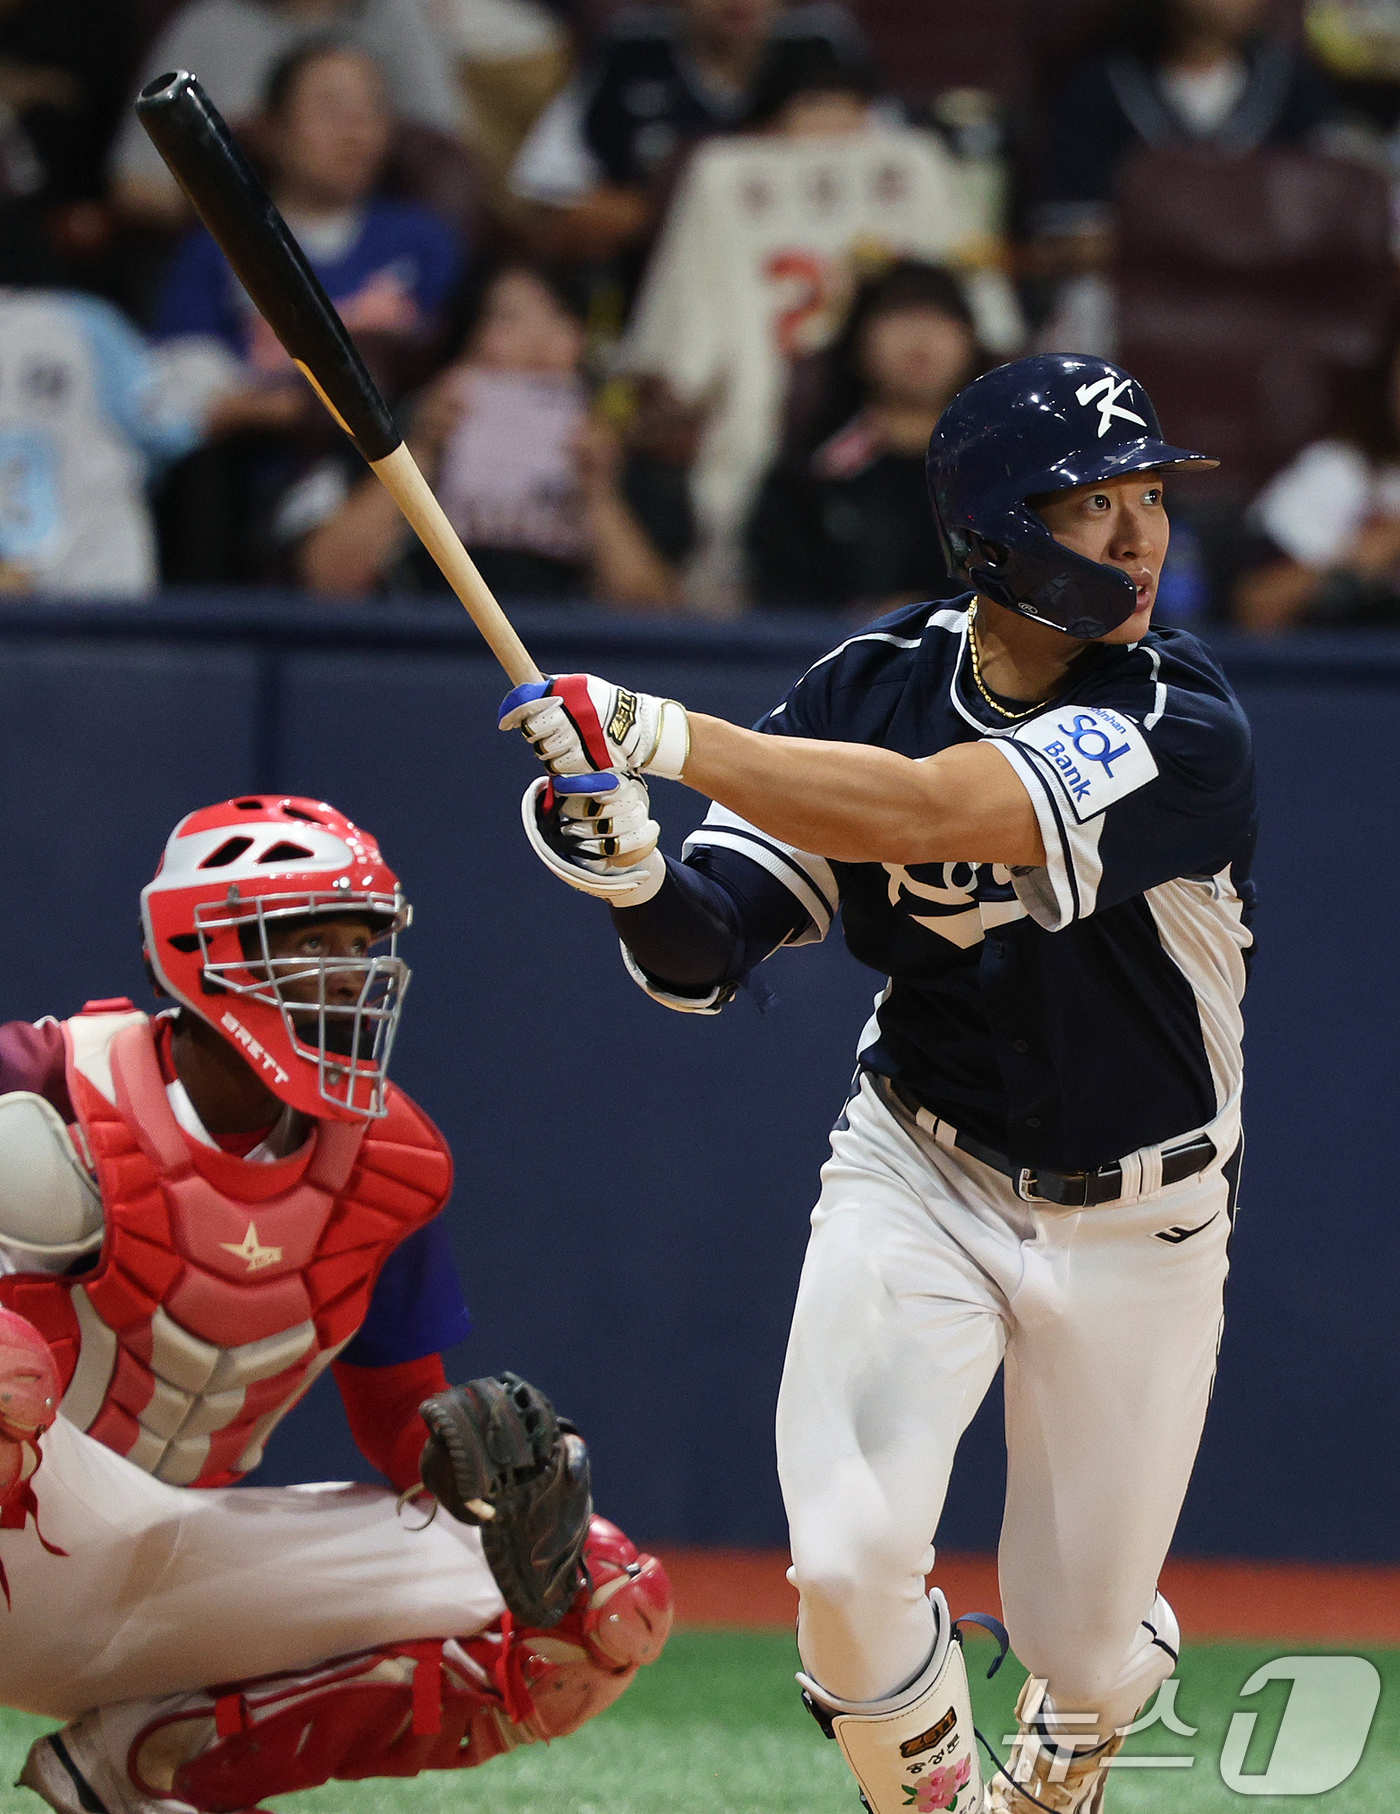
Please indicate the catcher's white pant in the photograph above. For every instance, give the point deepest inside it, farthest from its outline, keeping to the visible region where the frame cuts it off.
(924, 1270)
(167, 1589)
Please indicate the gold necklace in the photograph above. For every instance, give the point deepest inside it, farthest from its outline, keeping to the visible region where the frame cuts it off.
(977, 670)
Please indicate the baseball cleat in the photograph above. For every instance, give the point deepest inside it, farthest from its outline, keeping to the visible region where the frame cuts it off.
(55, 1776)
(49, 1770)
(75, 1773)
(1043, 1775)
(53, 1771)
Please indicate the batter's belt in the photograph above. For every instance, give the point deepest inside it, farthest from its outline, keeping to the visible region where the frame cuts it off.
(1035, 1184)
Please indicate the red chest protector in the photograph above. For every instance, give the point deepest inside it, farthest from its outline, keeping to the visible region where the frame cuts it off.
(223, 1288)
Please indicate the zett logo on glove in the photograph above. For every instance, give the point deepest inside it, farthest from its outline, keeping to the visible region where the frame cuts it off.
(624, 716)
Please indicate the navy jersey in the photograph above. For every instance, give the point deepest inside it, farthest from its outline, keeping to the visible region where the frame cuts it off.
(642, 97)
(1065, 1015)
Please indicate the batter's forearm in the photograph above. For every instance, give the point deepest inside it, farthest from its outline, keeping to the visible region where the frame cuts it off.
(714, 918)
(686, 935)
(852, 803)
(848, 802)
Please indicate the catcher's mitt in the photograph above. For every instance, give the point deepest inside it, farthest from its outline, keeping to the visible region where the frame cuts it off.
(500, 1458)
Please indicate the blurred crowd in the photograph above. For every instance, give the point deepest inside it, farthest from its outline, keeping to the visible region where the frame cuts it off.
(668, 296)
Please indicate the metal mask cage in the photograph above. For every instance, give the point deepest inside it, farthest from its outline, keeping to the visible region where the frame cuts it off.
(354, 1038)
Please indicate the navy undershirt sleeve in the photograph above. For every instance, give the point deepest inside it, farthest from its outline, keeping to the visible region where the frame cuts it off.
(417, 1306)
(714, 918)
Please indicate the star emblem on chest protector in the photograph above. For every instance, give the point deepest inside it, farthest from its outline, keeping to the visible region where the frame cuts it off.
(252, 1250)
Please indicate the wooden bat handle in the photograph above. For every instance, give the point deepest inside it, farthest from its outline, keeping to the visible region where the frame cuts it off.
(398, 473)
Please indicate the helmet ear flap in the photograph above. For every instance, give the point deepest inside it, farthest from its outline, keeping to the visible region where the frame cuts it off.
(993, 569)
(988, 554)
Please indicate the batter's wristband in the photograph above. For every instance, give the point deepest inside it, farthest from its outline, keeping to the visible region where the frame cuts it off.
(672, 742)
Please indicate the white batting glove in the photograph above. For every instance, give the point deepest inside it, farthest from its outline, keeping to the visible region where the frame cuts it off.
(576, 723)
(577, 823)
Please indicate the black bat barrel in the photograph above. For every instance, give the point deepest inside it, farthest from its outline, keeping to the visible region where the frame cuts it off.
(207, 162)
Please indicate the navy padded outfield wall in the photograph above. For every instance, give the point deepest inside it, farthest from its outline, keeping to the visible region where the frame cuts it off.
(633, 1185)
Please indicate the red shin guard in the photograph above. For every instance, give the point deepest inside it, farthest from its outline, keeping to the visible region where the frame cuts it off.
(432, 1705)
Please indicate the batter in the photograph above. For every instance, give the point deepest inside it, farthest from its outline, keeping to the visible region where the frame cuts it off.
(1036, 816)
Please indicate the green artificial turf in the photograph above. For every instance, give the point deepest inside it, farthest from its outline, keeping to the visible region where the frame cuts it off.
(716, 1728)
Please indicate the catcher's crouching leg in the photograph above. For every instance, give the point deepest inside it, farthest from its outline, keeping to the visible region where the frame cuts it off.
(389, 1712)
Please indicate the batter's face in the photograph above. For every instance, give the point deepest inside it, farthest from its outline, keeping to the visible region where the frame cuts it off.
(1119, 523)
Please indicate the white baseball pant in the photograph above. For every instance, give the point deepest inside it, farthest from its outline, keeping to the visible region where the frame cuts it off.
(924, 1271)
(166, 1589)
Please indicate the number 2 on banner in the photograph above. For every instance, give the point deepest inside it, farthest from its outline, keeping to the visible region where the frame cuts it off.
(800, 327)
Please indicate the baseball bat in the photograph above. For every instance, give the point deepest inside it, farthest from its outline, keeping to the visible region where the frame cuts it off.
(205, 159)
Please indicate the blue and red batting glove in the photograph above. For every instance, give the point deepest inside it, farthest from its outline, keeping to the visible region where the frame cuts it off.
(578, 724)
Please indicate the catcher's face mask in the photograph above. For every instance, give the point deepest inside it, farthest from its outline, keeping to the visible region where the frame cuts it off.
(276, 921)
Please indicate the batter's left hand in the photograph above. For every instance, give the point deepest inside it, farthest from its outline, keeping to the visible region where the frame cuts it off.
(577, 724)
(596, 833)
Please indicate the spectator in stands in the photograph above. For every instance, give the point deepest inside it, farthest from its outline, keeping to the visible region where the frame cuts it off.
(1171, 72)
(88, 414)
(232, 45)
(529, 479)
(389, 266)
(811, 89)
(1328, 526)
(511, 58)
(64, 70)
(843, 518)
(662, 78)
(756, 265)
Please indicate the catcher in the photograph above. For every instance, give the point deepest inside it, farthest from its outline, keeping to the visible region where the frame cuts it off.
(198, 1214)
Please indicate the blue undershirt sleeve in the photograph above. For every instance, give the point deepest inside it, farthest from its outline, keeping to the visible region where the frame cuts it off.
(417, 1306)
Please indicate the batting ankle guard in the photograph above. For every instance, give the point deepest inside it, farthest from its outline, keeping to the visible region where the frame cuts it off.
(432, 1705)
(1047, 1770)
(917, 1750)
(1057, 1762)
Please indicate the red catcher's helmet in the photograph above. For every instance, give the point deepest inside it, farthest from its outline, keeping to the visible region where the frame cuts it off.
(232, 872)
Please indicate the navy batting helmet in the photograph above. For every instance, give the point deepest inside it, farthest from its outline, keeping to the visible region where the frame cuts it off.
(1037, 425)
